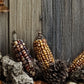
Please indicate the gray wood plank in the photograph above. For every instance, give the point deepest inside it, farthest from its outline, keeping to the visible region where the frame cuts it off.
(4, 31)
(29, 22)
(12, 14)
(12, 19)
(63, 22)
(82, 23)
(57, 28)
(19, 18)
(47, 21)
(24, 20)
(76, 39)
(36, 23)
(66, 30)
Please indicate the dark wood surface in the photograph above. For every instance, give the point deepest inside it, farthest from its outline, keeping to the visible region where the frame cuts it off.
(63, 27)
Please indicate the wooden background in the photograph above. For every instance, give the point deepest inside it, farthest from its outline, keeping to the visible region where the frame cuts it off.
(61, 21)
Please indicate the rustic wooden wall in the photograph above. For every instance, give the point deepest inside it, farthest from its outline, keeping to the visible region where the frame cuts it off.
(63, 27)
(25, 19)
(61, 22)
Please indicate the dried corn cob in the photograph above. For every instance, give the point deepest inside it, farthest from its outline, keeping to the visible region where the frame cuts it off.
(22, 54)
(42, 51)
(77, 63)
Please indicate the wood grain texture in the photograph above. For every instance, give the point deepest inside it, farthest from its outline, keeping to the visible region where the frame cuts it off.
(66, 30)
(82, 23)
(47, 21)
(24, 19)
(4, 31)
(36, 23)
(57, 28)
(63, 27)
(76, 27)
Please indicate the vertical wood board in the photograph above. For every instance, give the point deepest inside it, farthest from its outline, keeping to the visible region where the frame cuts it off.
(4, 32)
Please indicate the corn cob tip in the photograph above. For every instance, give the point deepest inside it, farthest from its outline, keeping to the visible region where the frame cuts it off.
(39, 35)
(14, 35)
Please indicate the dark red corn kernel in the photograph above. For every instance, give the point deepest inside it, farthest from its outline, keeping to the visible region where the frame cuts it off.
(27, 58)
(23, 52)
(18, 49)
(28, 68)
(26, 65)
(25, 55)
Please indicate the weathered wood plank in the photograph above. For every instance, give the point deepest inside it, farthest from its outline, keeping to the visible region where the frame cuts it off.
(57, 28)
(63, 21)
(19, 18)
(62, 29)
(24, 19)
(29, 22)
(36, 23)
(82, 23)
(57, 25)
(76, 39)
(66, 30)
(47, 21)
(4, 31)
(12, 14)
